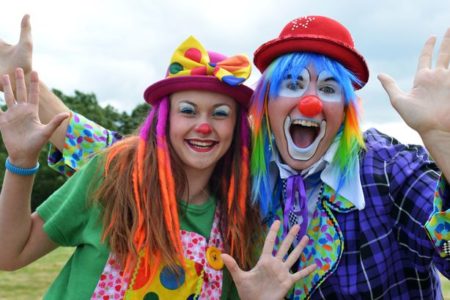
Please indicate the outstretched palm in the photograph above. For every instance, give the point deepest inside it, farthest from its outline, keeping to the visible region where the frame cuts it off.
(22, 132)
(427, 106)
(271, 277)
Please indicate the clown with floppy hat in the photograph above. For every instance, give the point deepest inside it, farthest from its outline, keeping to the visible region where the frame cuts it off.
(376, 212)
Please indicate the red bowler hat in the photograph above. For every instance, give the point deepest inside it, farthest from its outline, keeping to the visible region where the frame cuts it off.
(316, 34)
(194, 68)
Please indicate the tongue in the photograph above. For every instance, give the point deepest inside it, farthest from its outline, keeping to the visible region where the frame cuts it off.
(303, 136)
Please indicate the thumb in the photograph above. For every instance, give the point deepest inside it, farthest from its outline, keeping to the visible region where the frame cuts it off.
(25, 30)
(390, 86)
(232, 266)
(55, 122)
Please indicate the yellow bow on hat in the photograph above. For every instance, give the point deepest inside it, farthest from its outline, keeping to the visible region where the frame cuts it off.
(191, 59)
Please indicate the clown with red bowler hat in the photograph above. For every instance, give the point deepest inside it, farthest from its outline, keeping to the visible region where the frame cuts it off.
(376, 211)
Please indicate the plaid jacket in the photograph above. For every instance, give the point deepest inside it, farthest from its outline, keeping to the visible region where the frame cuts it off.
(392, 248)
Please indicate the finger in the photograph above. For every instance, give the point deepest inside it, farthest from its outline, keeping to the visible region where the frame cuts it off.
(304, 272)
(390, 86)
(55, 122)
(7, 91)
(25, 30)
(232, 266)
(426, 55)
(295, 254)
(3, 43)
(444, 51)
(270, 239)
(21, 89)
(33, 97)
(287, 242)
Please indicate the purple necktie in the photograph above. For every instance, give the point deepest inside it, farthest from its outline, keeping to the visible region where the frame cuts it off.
(295, 208)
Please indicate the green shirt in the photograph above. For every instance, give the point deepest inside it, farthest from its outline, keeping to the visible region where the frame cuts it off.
(70, 220)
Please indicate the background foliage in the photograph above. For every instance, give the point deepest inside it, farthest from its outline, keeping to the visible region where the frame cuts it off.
(47, 180)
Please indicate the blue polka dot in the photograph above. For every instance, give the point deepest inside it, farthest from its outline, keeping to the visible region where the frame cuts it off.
(170, 280)
(231, 80)
(87, 132)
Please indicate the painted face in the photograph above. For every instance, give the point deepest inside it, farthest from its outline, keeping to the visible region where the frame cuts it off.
(201, 127)
(306, 116)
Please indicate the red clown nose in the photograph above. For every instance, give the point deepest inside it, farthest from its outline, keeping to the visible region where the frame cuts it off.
(204, 128)
(310, 106)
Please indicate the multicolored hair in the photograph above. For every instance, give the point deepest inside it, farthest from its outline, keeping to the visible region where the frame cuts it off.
(144, 178)
(290, 66)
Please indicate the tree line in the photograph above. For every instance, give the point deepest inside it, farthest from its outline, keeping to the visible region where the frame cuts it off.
(48, 180)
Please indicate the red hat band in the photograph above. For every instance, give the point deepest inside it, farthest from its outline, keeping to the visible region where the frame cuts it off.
(315, 34)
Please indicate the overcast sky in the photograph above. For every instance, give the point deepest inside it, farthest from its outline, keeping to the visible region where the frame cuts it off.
(115, 49)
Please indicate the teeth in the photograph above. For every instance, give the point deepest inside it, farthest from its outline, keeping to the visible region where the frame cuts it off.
(305, 123)
(201, 144)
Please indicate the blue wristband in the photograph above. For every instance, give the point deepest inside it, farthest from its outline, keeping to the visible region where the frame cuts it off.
(20, 171)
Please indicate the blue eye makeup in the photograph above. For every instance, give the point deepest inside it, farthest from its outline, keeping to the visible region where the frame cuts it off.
(186, 108)
(222, 111)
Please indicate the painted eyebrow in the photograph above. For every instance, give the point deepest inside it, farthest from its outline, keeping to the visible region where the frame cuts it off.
(221, 104)
(299, 77)
(195, 105)
(330, 79)
(187, 102)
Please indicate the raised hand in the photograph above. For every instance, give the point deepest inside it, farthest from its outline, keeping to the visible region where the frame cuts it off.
(18, 55)
(22, 132)
(271, 277)
(426, 108)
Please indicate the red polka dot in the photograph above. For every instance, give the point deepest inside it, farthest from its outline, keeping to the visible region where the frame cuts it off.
(193, 54)
(198, 268)
(198, 71)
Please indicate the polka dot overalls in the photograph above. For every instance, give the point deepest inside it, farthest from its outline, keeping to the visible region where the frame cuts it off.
(202, 276)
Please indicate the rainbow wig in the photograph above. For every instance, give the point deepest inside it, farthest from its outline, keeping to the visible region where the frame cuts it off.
(290, 66)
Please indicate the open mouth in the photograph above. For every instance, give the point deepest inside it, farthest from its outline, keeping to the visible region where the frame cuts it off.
(201, 145)
(303, 137)
(304, 132)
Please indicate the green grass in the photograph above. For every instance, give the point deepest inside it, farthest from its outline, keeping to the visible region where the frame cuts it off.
(31, 282)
